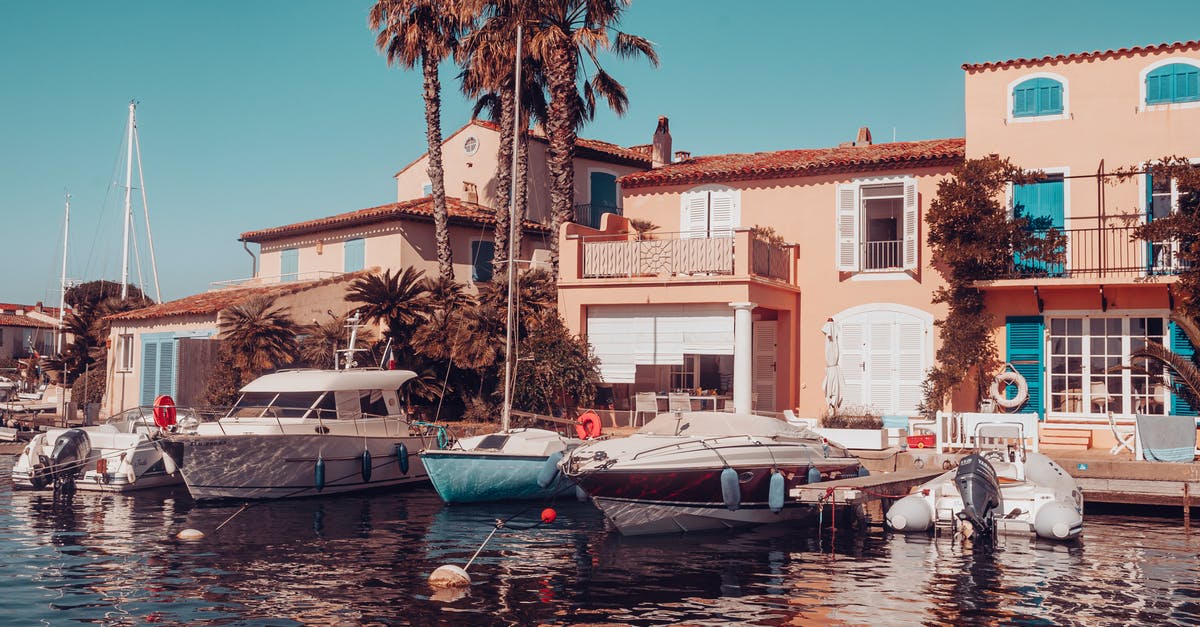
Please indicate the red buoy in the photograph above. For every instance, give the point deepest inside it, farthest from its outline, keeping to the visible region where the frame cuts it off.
(164, 411)
(548, 515)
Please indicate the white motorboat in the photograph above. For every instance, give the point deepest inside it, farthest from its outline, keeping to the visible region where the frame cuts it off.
(690, 471)
(305, 432)
(996, 490)
(125, 453)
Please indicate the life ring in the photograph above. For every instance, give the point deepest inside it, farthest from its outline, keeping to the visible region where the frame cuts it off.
(164, 411)
(1002, 381)
(588, 425)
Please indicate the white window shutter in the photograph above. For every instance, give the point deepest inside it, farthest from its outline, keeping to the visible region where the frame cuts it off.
(881, 365)
(850, 361)
(911, 219)
(723, 210)
(847, 228)
(693, 215)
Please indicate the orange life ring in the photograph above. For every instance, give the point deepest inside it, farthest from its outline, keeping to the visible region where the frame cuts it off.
(164, 411)
(588, 425)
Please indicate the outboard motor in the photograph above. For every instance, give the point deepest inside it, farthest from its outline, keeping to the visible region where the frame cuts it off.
(71, 452)
(980, 491)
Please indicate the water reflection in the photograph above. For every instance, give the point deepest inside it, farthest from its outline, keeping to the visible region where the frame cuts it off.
(365, 559)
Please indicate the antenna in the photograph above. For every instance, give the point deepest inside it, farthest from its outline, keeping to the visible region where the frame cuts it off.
(62, 283)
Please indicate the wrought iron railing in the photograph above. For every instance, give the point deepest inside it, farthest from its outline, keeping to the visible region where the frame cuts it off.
(1104, 252)
(883, 255)
(589, 214)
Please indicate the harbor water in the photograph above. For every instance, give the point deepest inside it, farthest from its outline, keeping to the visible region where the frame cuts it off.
(365, 560)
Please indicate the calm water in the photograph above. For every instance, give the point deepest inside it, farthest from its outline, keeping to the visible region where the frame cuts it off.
(366, 559)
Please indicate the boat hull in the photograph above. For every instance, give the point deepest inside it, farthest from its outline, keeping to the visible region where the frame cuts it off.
(133, 461)
(478, 476)
(270, 466)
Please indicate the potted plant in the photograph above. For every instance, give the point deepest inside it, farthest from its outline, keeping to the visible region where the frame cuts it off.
(855, 430)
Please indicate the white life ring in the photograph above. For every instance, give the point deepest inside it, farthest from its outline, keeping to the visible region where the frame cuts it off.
(1003, 380)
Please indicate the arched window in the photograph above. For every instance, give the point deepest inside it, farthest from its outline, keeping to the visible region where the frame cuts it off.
(1037, 96)
(1175, 82)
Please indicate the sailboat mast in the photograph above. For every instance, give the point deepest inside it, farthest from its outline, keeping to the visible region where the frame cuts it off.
(62, 282)
(128, 205)
(506, 411)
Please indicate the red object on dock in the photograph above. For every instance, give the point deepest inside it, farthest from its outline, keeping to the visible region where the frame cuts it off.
(924, 440)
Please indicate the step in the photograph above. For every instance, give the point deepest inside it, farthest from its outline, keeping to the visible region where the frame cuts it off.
(1066, 439)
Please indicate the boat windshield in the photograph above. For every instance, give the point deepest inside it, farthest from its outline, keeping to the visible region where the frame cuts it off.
(283, 405)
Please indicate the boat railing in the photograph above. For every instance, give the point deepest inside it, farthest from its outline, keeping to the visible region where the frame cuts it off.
(278, 413)
(701, 441)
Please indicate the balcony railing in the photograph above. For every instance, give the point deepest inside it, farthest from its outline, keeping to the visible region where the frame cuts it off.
(589, 214)
(883, 255)
(669, 254)
(1105, 252)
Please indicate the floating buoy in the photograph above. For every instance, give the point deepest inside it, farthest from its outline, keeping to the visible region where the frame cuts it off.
(863, 472)
(814, 475)
(588, 425)
(319, 473)
(731, 492)
(366, 466)
(402, 458)
(190, 535)
(548, 515)
(164, 411)
(549, 471)
(449, 576)
(775, 493)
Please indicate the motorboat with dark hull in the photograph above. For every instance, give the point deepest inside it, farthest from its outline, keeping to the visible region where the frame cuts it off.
(692, 471)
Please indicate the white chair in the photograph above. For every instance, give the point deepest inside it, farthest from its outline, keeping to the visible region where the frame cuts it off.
(793, 419)
(644, 402)
(1125, 436)
(679, 401)
(1100, 396)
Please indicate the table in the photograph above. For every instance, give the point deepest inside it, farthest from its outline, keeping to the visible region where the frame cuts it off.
(698, 401)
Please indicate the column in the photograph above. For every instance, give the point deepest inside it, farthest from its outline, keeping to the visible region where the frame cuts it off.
(743, 356)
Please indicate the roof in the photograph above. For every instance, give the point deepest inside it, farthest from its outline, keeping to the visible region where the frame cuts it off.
(804, 162)
(329, 380)
(212, 302)
(9, 320)
(637, 156)
(1083, 56)
(49, 311)
(460, 212)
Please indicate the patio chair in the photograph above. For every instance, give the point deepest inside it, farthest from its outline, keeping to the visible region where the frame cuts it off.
(643, 403)
(679, 401)
(1100, 396)
(1124, 436)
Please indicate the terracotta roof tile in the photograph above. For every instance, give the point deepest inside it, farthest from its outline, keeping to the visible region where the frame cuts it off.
(805, 162)
(9, 320)
(1081, 56)
(212, 302)
(460, 212)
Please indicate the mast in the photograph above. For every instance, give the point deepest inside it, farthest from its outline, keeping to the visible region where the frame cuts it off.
(128, 204)
(62, 282)
(506, 412)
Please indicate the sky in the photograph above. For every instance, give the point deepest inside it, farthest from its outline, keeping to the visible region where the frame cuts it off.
(263, 113)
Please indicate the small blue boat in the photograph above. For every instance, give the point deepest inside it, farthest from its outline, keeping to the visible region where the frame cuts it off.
(518, 464)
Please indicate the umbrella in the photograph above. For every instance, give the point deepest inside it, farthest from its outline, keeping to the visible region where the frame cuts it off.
(832, 383)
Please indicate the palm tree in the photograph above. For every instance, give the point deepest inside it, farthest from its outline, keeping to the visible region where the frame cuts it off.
(564, 35)
(424, 32)
(400, 301)
(258, 336)
(321, 340)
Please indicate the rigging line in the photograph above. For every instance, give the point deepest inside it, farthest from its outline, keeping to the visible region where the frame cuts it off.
(137, 144)
(104, 205)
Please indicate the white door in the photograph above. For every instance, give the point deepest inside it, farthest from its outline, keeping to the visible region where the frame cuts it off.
(884, 355)
(765, 354)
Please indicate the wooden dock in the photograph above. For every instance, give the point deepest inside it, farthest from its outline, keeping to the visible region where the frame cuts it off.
(867, 497)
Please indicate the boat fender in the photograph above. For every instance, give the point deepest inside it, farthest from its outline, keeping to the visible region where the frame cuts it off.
(172, 455)
(402, 458)
(580, 495)
(1057, 521)
(1002, 381)
(588, 425)
(775, 493)
(442, 439)
(366, 466)
(863, 472)
(549, 472)
(164, 411)
(731, 492)
(911, 513)
(319, 474)
(814, 475)
(102, 470)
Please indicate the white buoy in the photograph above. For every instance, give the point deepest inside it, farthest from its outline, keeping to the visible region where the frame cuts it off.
(190, 535)
(449, 576)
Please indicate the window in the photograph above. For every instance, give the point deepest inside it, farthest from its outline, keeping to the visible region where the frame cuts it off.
(158, 366)
(1175, 82)
(603, 190)
(471, 145)
(289, 264)
(125, 352)
(709, 211)
(1087, 362)
(483, 252)
(1043, 204)
(1036, 97)
(427, 189)
(1162, 198)
(355, 255)
(877, 225)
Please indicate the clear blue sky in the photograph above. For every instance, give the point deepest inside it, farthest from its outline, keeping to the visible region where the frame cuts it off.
(262, 113)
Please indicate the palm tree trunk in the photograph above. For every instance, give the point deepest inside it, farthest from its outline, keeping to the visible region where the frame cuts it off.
(433, 132)
(562, 115)
(522, 175)
(504, 176)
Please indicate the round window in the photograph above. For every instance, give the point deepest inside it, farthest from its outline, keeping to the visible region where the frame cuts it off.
(471, 146)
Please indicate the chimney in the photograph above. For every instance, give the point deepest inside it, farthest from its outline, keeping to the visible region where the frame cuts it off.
(472, 193)
(660, 146)
(682, 155)
(864, 137)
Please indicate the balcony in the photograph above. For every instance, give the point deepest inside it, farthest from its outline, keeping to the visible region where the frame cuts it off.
(742, 253)
(1109, 252)
(589, 214)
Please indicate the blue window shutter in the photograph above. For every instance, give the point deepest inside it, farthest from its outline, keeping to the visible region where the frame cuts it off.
(289, 264)
(482, 254)
(355, 255)
(1182, 346)
(149, 370)
(1025, 345)
(1149, 217)
(1177, 82)
(1021, 101)
(604, 196)
(1037, 96)
(166, 366)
